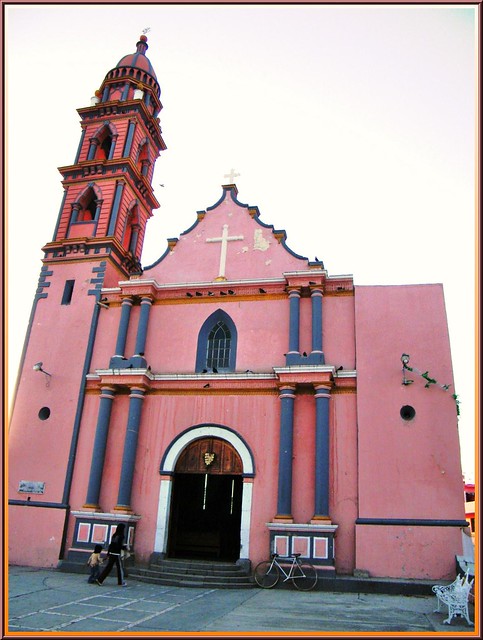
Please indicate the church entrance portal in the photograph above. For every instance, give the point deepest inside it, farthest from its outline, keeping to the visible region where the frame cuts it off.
(206, 502)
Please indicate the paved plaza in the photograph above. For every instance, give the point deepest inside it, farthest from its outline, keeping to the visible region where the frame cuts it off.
(42, 600)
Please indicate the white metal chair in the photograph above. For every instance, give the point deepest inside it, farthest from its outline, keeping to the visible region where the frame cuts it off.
(455, 597)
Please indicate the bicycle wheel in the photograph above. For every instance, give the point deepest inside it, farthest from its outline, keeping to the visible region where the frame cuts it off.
(305, 577)
(266, 574)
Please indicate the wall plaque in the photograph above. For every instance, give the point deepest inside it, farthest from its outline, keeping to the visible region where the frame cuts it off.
(29, 486)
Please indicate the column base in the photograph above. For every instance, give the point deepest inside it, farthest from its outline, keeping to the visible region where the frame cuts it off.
(321, 520)
(288, 519)
(121, 508)
(92, 507)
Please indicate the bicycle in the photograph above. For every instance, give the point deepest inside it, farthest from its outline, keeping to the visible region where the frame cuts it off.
(303, 574)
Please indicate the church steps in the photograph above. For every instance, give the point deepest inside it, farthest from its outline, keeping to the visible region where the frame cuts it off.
(193, 574)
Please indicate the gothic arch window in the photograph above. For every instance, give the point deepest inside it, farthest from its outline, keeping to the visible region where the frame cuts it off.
(104, 147)
(87, 206)
(217, 342)
(103, 142)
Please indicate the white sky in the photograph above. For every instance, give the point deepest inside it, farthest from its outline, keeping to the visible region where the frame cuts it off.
(352, 128)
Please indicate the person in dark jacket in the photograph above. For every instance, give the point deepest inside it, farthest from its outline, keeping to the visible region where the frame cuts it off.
(114, 557)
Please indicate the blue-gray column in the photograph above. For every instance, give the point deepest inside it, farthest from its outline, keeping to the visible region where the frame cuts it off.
(99, 452)
(115, 208)
(98, 209)
(134, 240)
(316, 296)
(75, 212)
(126, 307)
(142, 326)
(294, 327)
(136, 398)
(113, 147)
(322, 396)
(284, 504)
(129, 139)
(92, 149)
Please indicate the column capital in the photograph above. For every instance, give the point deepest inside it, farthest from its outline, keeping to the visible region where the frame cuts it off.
(322, 390)
(294, 291)
(287, 391)
(107, 391)
(137, 392)
(317, 290)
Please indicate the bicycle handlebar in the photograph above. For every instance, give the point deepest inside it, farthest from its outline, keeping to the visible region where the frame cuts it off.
(290, 555)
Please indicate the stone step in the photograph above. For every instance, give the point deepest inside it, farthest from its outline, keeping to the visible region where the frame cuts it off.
(177, 582)
(197, 571)
(194, 573)
(196, 564)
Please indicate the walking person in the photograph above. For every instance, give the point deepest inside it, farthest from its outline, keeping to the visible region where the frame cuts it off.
(114, 557)
(94, 563)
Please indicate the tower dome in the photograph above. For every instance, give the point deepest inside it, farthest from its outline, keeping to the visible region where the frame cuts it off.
(136, 70)
(138, 60)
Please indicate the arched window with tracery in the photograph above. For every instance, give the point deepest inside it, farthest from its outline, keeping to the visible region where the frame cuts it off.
(217, 342)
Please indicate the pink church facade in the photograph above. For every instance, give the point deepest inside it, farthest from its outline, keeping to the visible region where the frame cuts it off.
(229, 400)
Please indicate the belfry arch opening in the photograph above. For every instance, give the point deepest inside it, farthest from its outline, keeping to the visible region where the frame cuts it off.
(88, 206)
(206, 502)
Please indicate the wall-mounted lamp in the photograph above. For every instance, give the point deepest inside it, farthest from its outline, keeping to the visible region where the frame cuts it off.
(405, 361)
(38, 367)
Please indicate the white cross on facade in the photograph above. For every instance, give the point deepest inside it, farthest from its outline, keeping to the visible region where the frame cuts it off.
(224, 239)
(232, 175)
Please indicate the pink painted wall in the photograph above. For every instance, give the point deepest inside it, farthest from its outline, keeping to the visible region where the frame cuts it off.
(343, 497)
(422, 552)
(39, 449)
(338, 331)
(58, 339)
(35, 536)
(258, 255)
(407, 469)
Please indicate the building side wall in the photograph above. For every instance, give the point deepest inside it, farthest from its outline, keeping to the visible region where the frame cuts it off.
(397, 458)
(35, 535)
(426, 551)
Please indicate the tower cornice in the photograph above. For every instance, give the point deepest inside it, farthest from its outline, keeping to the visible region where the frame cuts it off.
(84, 248)
(118, 168)
(120, 109)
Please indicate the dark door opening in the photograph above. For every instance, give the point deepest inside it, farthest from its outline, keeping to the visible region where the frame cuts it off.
(206, 516)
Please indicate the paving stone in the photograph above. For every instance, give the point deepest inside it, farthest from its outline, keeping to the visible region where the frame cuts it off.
(50, 601)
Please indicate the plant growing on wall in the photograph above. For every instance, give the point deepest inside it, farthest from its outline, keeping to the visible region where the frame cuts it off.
(429, 380)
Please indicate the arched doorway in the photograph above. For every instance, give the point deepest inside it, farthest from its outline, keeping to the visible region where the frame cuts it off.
(206, 502)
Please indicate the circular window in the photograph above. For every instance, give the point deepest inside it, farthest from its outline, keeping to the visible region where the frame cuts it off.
(44, 413)
(407, 412)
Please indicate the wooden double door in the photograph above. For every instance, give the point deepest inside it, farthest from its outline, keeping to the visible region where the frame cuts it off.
(206, 502)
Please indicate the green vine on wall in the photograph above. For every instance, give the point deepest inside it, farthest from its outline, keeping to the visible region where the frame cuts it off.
(429, 381)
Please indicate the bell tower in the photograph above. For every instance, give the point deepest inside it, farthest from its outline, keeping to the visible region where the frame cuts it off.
(108, 196)
(97, 242)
